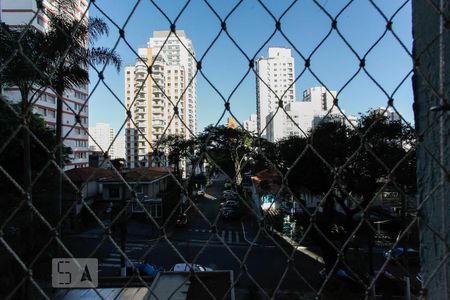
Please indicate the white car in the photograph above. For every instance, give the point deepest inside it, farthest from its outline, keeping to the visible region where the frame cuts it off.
(201, 193)
(229, 203)
(182, 267)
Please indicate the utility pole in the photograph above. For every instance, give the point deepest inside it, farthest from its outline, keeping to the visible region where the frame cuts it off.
(123, 231)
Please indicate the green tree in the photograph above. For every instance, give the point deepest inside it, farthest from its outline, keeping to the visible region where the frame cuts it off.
(228, 147)
(177, 147)
(29, 234)
(118, 163)
(68, 46)
(345, 164)
(22, 67)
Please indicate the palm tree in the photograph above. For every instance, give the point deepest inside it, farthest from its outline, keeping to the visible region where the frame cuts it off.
(68, 40)
(68, 47)
(21, 66)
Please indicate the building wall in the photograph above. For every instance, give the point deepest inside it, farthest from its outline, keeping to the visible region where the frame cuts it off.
(180, 55)
(104, 138)
(251, 124)
(301, 117)
(152, 107)
(274, 82)
(20, 12)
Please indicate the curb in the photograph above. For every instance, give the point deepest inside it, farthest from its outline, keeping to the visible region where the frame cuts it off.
(299, 247)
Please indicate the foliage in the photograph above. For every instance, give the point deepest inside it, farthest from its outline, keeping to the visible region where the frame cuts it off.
(68, 50)
(177, 148)
(118, 163)
(228, 148)
(349, 166)
(21, 58)
(12, 156)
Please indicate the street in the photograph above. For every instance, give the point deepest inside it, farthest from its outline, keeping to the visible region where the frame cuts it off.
(230, 248)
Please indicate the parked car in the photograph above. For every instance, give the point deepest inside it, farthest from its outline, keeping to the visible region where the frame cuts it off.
(144, 268)
(231, 197)
(227, 184)
(229, 214)
(229, 193)
(398, 255)
(183, 267)
(344, 278)
(201, 192)
(181, 221)
(229, 203)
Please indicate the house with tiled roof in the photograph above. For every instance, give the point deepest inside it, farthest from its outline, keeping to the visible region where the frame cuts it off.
(147, 191)
(81, 184)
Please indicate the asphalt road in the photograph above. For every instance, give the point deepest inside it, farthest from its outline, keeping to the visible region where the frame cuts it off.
(264, 263)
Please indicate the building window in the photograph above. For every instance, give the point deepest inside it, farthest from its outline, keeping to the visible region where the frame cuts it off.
(114, 192)
(155, 210)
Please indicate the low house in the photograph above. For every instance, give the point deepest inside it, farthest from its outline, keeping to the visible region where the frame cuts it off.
(82, 185)
(151, 190)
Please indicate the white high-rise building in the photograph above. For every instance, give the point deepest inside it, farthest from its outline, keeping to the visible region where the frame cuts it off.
(181, 85)
(251, 124)
(102, 139)
(276, 74)
(119, 147)
(19, 13)
(317, 103)
(152, 99)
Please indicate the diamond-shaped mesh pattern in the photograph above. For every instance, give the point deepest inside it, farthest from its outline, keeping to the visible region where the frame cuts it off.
(324, 214)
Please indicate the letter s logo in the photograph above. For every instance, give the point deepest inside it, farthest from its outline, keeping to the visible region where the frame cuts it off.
(63, 275)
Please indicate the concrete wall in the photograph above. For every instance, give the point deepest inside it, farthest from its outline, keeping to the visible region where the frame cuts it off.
(431, 84)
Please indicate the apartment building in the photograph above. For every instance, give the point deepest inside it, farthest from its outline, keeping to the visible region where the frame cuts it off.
(251, 124)
(19, 13)
(274, 82)
(164, 101)
(102, 138)
(301, 116)
(181, 85)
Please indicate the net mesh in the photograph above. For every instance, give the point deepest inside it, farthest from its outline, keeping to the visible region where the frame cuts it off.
(328, 213)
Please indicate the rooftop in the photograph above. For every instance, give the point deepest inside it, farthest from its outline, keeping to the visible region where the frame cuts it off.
(88, 174)
(139, 174)
(165, 33)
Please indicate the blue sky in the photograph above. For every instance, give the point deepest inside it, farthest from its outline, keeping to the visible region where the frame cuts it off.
(250, 25)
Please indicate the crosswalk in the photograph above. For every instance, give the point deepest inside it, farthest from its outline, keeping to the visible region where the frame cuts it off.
(228, 236)
(135, 249)
(113, 260)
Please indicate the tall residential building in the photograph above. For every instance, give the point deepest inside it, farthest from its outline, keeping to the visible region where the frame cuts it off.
(251, 124)
(152, 99)
(181, 85)
(317, 103)
(19, 13)
(274, 82)
(102, 138)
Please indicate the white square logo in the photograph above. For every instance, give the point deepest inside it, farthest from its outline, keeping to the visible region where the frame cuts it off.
(74, 272)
